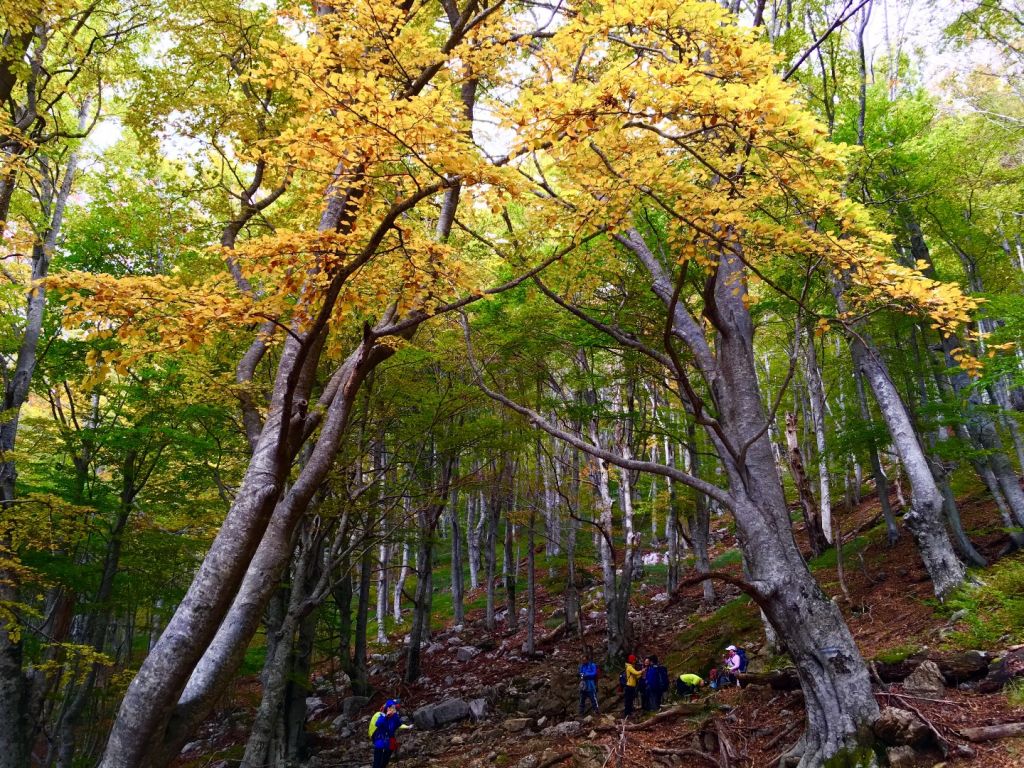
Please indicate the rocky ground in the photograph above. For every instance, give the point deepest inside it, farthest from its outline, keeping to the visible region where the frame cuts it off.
(481, 702)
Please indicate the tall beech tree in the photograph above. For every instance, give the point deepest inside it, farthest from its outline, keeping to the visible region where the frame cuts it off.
(741, 174)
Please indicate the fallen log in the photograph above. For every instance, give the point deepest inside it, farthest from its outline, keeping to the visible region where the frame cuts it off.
(779, 680)
(955, 668)
(993, 732)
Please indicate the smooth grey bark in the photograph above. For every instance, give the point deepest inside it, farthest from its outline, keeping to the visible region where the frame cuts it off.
(881, 481)
(403, 574)
(383, 564)
(924, 518)
(458, 577)
(209, 652)
(475, 519)
(509, 568)
(571, 600)
(531, 582)
(816, 400)
(839, 702)
(493, 510)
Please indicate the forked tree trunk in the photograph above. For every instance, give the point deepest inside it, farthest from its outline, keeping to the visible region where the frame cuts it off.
(838, 699)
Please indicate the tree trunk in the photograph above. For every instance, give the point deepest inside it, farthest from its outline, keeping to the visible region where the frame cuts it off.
(881, 481)
(815, 536)
(403, 574)
(509, 568)
(360, 675)
(458, 578)
(816, 393)
(924, 518)
(493, 519)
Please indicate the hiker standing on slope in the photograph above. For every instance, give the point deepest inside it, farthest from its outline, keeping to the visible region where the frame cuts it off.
(383, 727)
(588, 683)
(632, 675)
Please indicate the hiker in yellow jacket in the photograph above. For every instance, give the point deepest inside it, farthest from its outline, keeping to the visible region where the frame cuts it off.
(632, 678)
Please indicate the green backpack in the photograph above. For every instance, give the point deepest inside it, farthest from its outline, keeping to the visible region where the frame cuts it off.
(374, 722)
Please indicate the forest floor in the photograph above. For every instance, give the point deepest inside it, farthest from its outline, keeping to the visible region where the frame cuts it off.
(890, 610)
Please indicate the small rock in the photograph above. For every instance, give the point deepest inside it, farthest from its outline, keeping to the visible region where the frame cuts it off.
(530, 761)
(192, 745)
(926, 679)
(314, 706)
(457, 739)
(901, 757)
(542, 721)
(568, 728)
(965, 751)
(958, 615)
(351, 705)
(900, 727)
(466, 653)
(478, 709)
(453, 641)
(516, 724)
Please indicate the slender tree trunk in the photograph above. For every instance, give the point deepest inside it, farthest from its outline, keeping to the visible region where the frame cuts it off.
(816, 393)
(458, 578)
(815, 535)
(360, 676)
(531, 583)
(403, 574)
(881, 481)
(493, 519)
(924, 518)
(509, 572)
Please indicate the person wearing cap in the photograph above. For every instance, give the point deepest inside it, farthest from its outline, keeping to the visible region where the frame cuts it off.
(733, 663)
(388, 724)
(632, 678)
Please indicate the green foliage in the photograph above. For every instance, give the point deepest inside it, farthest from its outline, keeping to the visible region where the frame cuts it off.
(994, 605)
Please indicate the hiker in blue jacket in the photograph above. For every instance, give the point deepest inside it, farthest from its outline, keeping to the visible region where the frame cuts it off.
(387, 724)
(588, 684)
(650, 684)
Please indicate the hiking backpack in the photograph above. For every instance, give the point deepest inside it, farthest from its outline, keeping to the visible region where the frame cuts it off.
(743, 659)
(662, 678)
(375, 722)
(622, 682)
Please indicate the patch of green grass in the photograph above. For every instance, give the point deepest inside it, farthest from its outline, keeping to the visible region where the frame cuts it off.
(827, 559)
(995, 606)
(1015, 693)
(700, 646)
(255, 657)
(727, 558)
(897, 654)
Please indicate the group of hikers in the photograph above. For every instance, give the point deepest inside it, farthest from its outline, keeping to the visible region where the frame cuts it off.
(648, 682)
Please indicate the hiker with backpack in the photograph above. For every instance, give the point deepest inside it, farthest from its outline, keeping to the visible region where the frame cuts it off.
(629, 680)
(588, 683)
(383, 727)
(735, 663)
(649, 685)
(662, 681)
